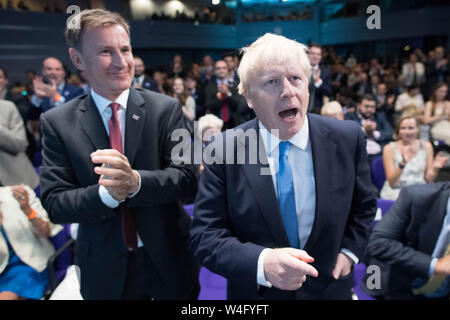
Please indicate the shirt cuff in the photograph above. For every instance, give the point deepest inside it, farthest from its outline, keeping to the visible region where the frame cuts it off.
(260, 277)
(376, 134)
(35, 101)
(107, 199)
(432, 266)
(317, 84)
(351, 255)
(139, 188)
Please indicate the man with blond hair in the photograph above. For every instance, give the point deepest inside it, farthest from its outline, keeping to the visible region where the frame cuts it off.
(291, 229)
(107, 166)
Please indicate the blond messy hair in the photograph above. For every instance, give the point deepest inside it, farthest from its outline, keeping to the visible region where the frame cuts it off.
(87, 19)
(270, 49)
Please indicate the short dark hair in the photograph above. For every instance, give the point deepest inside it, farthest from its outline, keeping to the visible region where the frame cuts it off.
(367, 96)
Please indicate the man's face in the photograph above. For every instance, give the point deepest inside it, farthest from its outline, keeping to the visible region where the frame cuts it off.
(381, 89)
(221, 70)
(314, 55)
(139, 67)
(367, 108)
(439, 52)
(279, 96)
(107, 60)
(230, 62)
(3, 81)
(53, 70)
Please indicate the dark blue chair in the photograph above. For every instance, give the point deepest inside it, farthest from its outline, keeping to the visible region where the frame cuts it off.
(360, 269)
(212, 286)
(377, 172)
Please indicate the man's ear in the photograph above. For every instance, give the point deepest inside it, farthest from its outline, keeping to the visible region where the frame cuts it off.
(248, 98)
(77, 59)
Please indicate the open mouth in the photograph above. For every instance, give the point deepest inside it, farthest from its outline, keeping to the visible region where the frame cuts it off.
(288, 113)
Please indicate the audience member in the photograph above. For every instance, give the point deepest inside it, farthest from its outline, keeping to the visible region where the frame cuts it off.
(179, 92)
(50, 89)
(437, 113)
(410, 101)
(221, 98)
(408, 160)
(320, 80)
(141, 80)
(437, 69)
(373, 123)
(15, 166)
(332, 109)
(24, 247)
(412, 240)
(413, 71)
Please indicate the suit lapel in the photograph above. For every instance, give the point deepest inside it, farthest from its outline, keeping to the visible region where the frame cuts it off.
(263, 190)
(431, 228)
(134, 124)
(323, 153)
(92, 124)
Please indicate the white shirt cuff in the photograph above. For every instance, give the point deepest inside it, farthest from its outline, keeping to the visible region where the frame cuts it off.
(35, 101)
(351, 255)
(376, 134)
(106, 198)
(317, 84)
(260, 277)
(432, 266)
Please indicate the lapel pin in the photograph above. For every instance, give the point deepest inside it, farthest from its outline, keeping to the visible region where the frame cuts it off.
(135, 117)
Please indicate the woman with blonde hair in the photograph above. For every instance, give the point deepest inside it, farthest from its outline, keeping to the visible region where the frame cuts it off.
(437, 113)
(332, 109)
(408, 160)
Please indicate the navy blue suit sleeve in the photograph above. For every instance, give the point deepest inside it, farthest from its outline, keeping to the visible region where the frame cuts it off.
(211, 238)
(387, 239)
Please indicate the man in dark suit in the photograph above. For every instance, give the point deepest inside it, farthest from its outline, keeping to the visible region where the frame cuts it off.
(51, 90)
(221, 97)
(373, 123)
(413, 239)
(140, 79)
(436, 70)
(320, 80)
(124, 190)
(292, 229)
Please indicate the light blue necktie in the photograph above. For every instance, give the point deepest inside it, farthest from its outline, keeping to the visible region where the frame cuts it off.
(286, 195)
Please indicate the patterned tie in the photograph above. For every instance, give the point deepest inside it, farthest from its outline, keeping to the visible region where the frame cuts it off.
(286, 195)
(115, 137)
(224, 111)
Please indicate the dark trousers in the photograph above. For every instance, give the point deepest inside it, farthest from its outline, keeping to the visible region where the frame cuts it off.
(141, 276)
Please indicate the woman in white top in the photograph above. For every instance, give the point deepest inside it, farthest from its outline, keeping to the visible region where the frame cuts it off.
(187, 102)
(24, 245)
(408, 160)
(413, 70)
(437, 113)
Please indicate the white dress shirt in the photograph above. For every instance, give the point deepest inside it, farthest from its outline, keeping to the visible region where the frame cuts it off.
(105, 111)
(301, 162)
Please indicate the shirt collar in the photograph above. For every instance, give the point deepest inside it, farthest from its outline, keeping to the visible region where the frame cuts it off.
(300, 139)
(103, 103)
(61, 86)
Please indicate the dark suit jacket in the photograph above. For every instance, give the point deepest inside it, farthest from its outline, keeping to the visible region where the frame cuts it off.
(383, 126)
(69, 92)
(318, 93)
(406, 236)
(150, 84)
(213, 104)
(70, 193)
(237, 213)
